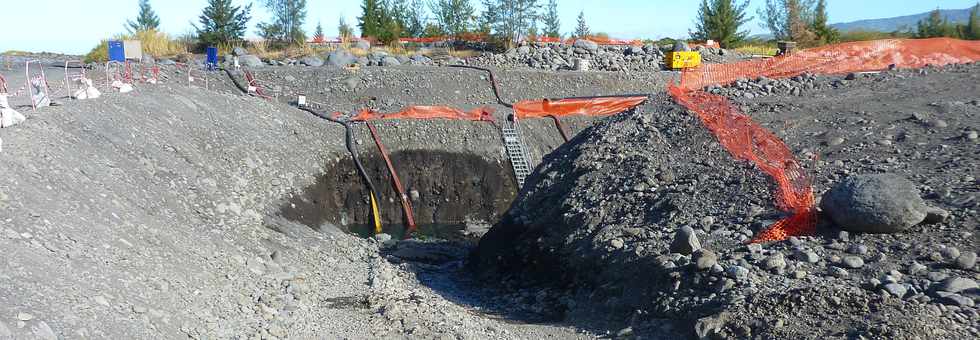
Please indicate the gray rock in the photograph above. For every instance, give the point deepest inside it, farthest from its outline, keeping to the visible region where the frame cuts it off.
(704, 259)
(967, 260)
(950, 253)
(853, 262)
(957, 284)
(311, 61)
(586, 45)
(881, 203)
(838, 272)
(896, 289)
(935, 215)
(808, 256)
(916, 268)
(363, 45)
(970, 135)
(390, 61)
(956, 300)
(238, 51)
(776, 262)
(524, 50)
(685, 241)
(378, 55)
(340, 58)
(249, 60)
(737, 272)
(708, 327)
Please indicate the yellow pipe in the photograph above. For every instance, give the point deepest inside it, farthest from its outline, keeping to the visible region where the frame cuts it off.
(376, 214)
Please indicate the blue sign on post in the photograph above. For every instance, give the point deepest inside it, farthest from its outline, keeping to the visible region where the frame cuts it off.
(116, 51)
(212, 62)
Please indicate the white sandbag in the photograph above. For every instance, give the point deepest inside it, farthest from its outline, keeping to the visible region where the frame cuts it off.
(87, 91)
(9, 116)
(122, 87)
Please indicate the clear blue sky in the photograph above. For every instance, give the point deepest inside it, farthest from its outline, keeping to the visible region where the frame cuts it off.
(75, 26)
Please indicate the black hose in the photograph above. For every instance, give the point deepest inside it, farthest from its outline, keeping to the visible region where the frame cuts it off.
(493, 82)
(351, 148)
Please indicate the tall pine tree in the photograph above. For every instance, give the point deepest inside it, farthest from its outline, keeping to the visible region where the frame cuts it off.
(582, 29)
(824, 32)
(222, 22)
(147, 19)
(935, 25)
(973, 24)
(318, 36)
(720, 20)
(552, 25)
(371, 20)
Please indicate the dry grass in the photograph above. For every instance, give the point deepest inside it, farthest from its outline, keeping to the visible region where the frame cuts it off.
(154, 43)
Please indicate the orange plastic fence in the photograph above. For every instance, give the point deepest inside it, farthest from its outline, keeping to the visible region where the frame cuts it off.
(598, 106)
(427, 112)
(749, 141)
(838, 59)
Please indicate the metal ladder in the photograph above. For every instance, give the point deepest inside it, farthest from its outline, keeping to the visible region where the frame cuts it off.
(516, 151)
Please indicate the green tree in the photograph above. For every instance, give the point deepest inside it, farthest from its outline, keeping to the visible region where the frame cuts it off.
(973, 24)
(345, 31)
(454, 17)
(582, 29)
(720, 20)
(552, 25)
(147, 19)
(222, 22)
(789, 20)
(415, 19)
(286, 26)
(318, 34)
(935, 25)
(514, 19)
(371, 20)
(825, 33)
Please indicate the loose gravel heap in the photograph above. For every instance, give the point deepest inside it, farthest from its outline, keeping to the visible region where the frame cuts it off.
(638, 225)
(557, 57)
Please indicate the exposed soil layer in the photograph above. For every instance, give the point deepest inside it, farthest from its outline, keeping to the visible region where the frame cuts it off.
(444, 188)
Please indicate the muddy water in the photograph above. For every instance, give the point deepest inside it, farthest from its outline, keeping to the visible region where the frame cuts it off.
(446, 190)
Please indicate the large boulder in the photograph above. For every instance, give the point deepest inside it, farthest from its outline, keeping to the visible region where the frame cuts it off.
(340, 58)
(590, 46)
(249, 60)
(363, 45)
(390, 61)
(311, 61)
(238, 51)
(879, 203)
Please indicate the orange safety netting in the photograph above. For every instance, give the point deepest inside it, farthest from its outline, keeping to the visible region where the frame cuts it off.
(838, 59)
(427, 112)
(749, 141)
(597, 106)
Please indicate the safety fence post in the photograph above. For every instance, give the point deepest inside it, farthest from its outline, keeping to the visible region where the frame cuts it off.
(41, 80)
(68, 76)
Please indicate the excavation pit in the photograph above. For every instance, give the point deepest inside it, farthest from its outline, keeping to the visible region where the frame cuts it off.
(450, 193)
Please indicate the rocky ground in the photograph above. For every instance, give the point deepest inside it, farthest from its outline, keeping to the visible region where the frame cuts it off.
(169, 202)
(202, 213)
(643, 217)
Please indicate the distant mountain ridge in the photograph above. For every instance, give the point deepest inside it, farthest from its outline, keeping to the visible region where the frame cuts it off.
(902, 22)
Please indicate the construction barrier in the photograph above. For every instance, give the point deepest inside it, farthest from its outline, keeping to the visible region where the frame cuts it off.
(747, 140)
(839, 59)
(591, 106)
